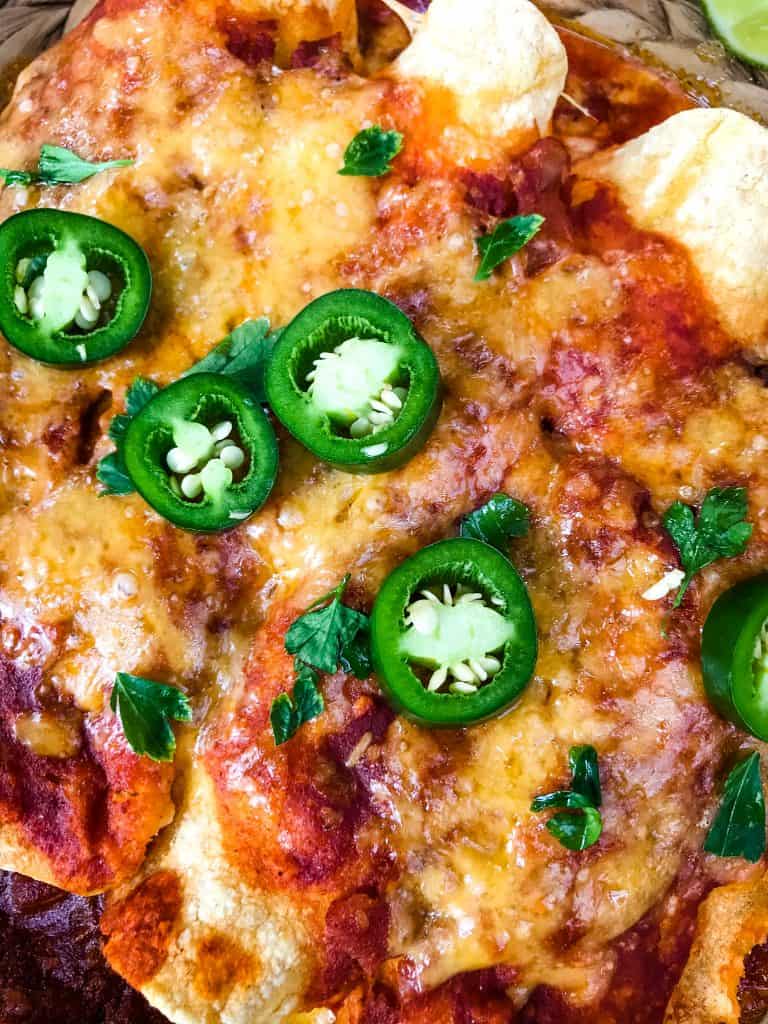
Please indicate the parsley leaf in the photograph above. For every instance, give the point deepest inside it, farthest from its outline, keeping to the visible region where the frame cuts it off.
(583, 828)
(585, 773)
(118, 428)
(320, 635)
(111, 470)
(370, 153)
(306, 697)
(112, 473)
(144, 708)
(719, 531)
(304, 703)
(327, 635)
(504, 241)
(497, 521)
(243, 354)
(739, 826)
(59, 166)
(356, 655)
(17, 177)
(139, 394)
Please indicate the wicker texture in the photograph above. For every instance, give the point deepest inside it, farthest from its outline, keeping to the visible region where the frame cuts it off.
(675, 34)
(27, 28)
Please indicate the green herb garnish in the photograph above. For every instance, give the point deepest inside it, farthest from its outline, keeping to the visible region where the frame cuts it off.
(504, 241)
(497, 522)
(144, 708)
(371, 152)
(583, 827)
(585, 773)
(304, 703)
(319, 636)
(17, 177)
(327, 636)
(577, 831)
(739, 826)
(356, 655)
(561, 798)
(243, 354)
(111, 470)
(59, 166)
(719, 531)
(112, 473)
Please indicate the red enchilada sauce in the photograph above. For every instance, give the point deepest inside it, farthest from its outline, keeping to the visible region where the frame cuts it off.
(52, 970)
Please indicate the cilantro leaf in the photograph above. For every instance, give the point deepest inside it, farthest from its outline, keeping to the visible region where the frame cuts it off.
(583, 827)
(319, 635)
(497, 521)
(739, 826)
(576, 831)
(111, 470)
(585, 773)
(59, 166)
(719, 531)
(504, 241)
(243, 354)
(370, 153)
(144, 708)
(304, 703)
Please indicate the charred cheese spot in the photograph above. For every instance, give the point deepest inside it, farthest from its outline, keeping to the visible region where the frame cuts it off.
(221, 965)
(139, 930)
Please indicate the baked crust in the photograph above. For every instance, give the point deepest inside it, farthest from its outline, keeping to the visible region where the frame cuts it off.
(731, 921)
(509, 95)
(681, 180)
(361, 871)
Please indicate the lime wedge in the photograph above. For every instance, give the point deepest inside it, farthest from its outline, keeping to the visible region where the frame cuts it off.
(742, 27)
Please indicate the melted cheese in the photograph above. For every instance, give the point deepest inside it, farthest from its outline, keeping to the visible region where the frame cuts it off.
(236, 197)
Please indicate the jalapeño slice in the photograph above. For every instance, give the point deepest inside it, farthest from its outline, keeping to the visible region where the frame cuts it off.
(353, 382)
(202, 453)
(453, 635)
(734, 655)
(73, 289)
